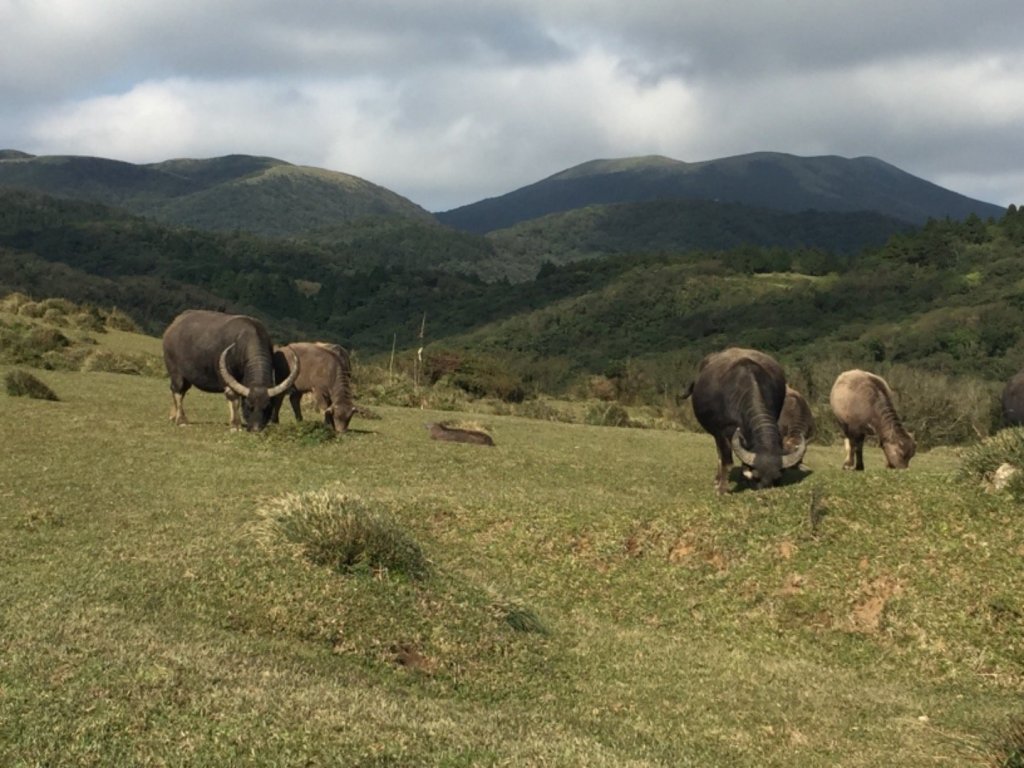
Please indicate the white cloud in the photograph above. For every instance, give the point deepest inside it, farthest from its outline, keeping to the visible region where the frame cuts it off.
(451, 101)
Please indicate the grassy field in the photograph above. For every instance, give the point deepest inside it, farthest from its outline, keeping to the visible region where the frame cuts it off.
(591, 601)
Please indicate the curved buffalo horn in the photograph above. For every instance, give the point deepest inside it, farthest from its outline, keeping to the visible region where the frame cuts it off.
(747, 457)
(293, 365)
(794, 457)
(234, 384)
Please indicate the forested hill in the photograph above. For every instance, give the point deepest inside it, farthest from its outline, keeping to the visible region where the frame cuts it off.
(259, 195)
(763, 179)
(947, 297)
(675, 226)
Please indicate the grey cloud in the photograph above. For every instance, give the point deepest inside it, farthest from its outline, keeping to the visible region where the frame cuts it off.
(452, 100)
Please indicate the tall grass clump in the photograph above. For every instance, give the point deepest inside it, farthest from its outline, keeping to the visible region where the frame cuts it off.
(980, 462)
(106, 361)
(345, 533)
(24, 384)
(309, 432)
(1008, 750)
(607, 415)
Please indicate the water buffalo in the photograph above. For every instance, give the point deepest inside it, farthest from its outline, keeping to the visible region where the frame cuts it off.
(325, 370)
(455, 435)
(796, 422)
(737, 397)
(862, 404)
(216, 352)
(1013, 401)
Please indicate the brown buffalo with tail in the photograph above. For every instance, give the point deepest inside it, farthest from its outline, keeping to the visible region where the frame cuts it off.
(863, 405)
(325, 370)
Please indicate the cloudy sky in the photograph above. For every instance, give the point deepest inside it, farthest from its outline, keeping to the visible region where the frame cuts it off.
(450, 101)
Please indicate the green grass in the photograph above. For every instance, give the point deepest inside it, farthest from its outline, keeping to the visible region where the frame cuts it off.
(590, 601)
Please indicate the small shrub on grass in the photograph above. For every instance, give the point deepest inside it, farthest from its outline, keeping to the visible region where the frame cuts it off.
(118, 321)
(31, 309)
(307, 433)
(1008, 751)
(12, 301)
(89, 320)
(523, 619)
(105, 361)
(346, 534)
(980, 462)
(607, 415)
(540, 409)
(23, 384)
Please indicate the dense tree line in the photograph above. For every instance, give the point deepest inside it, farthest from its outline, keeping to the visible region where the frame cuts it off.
(946, 297)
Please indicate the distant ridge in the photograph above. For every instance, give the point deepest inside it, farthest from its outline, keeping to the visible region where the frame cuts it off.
(772, 180)
(261, 195)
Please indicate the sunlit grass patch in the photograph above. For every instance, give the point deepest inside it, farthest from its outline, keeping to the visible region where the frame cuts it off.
(346, 534)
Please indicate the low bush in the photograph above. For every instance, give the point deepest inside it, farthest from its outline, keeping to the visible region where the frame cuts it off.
(13, 301)
(607, 415)
(24, 384)
(980, 462)
(539, 409)
(308, 432)
(1008, 748)
(118, 321)
(105, 361)
(346, 534)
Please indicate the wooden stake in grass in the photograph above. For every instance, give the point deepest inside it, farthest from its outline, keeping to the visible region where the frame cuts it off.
(419, 355)
(391, 362)
(816, 511)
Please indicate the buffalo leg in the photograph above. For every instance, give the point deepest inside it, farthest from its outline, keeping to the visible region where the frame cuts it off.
(724, 464)
(854, 453)
(178, 409)
(234, 410)
(858, 447)
(295, 397)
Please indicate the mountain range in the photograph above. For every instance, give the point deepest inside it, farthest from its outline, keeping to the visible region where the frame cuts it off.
(762, 179)
(260, 195)
(266, 196)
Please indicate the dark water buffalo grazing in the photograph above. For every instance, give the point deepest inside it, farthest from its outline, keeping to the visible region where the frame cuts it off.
(325, 370)
(1013, 401)
(455, 435)
(215, 352)
(737, 398)
(862, 404)
(796, 422)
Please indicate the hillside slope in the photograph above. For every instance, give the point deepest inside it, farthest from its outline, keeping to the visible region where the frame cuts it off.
(260, 195)
(764, 179)
(679, 226)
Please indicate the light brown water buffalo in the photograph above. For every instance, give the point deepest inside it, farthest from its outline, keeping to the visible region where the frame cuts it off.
(862, 404)
(737, 398)
(796, 422)
(215, 352)
(455, 435)
(324, 370)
